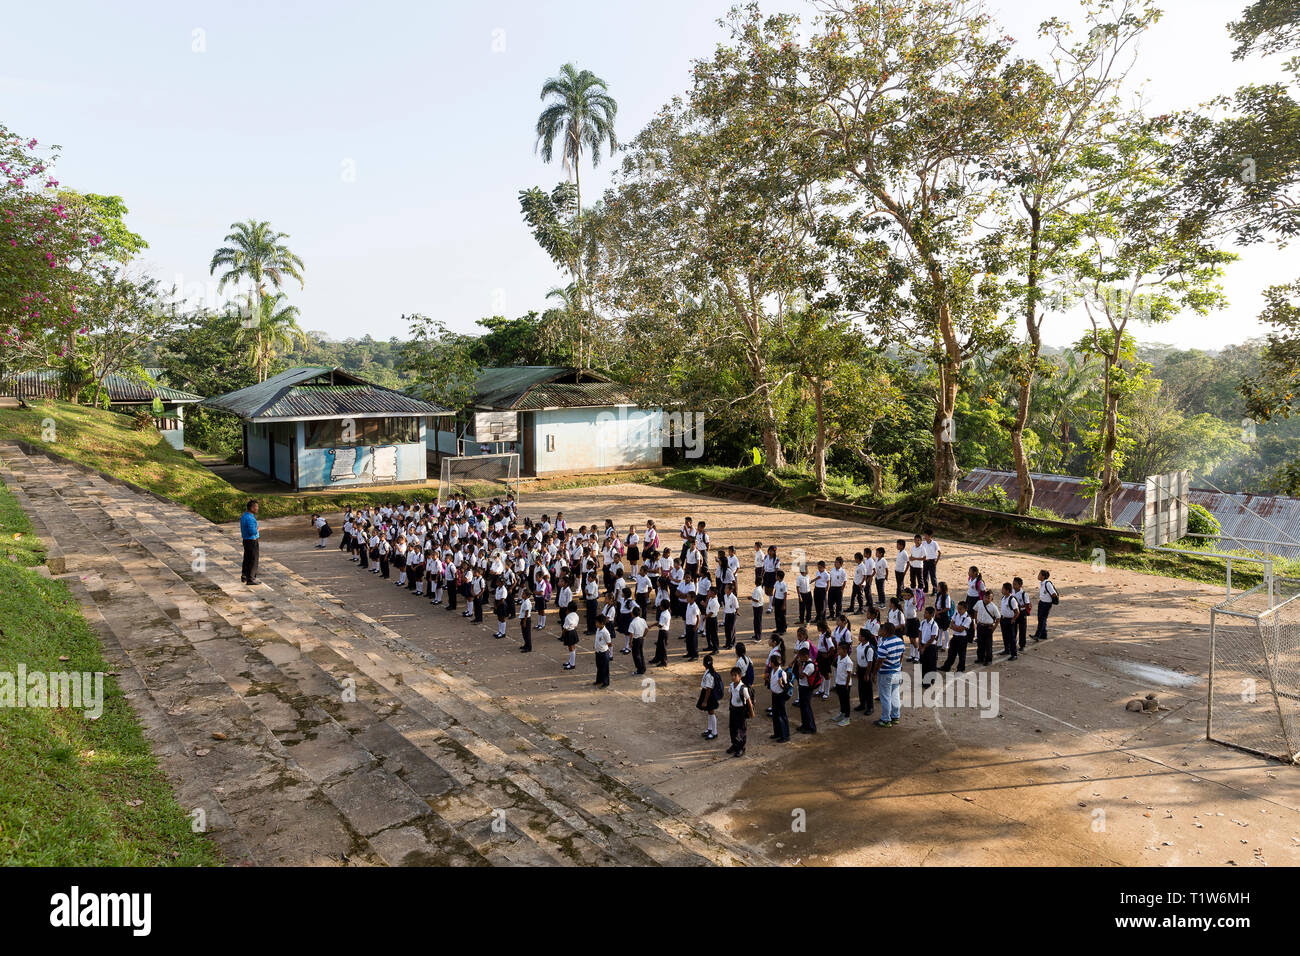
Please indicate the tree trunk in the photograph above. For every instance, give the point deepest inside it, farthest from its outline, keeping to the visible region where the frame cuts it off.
(1103, 510)
(771, 440)
(819, 453)
(945, 436)
(1026, 496)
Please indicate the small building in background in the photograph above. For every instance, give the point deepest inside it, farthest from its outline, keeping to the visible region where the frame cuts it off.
(126, 393)
(559, 420)
(321, 427)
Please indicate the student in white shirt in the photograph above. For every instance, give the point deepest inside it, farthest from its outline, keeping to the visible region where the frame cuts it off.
(863, 655)
(730, 608)
(960, 625)
(1009, 612)
(932, 553)
(692, 619)
(778, 682)
(986, 618)
(757, 601)
(663, 629)
(778, 603)
(1047, 597)
(602, 646)
(836, 579)
(880, 568)
(526, 622)
(861, 594)
(710, 694)
(712, 609)
(900, 567)
(929, 638)
(803, 589)
(569, 635)
(916, 563)
(637, 628)
(742, 708)
(843, 677)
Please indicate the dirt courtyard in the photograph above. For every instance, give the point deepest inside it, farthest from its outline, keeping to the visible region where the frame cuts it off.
(1062, 775)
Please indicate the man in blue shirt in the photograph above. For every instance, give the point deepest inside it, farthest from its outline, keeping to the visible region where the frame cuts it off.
(248, 531)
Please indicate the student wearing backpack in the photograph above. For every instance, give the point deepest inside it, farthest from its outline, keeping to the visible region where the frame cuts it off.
(746, 668)
(742, 708)
(1022, 619)
(809, 679)
(710, 694)
(986, 618)
(843, 678)
(1047, 597)
(1010, 611)
(778, 682)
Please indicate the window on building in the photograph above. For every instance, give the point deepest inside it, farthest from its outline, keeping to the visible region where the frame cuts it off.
(550, 443)
(343, 432)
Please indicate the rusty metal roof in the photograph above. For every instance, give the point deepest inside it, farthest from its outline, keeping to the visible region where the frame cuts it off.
(319, 391)
(535, 387)
(1246, 519)
(122, 388)
(580, 395)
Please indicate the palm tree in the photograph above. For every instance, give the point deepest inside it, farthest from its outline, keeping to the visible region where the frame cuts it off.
(276, 325)
(257, 254)
(582, 113)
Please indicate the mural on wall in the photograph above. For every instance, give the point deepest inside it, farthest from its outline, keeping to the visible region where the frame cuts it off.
(344, 464)
(384, 462)
(379, 465)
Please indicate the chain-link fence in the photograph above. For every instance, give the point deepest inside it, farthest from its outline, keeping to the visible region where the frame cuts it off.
(1255, 671)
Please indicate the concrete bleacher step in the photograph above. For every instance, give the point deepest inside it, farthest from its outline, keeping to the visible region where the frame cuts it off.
(423, 766)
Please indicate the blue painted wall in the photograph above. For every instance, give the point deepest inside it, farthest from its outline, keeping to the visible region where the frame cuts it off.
(259, 448)
(370, 464)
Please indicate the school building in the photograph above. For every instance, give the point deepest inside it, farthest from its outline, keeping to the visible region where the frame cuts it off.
(559, 420)
(321, 427)
(126, 393)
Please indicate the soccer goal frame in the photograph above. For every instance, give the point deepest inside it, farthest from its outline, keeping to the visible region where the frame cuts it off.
(479, 476)
(1254, 681)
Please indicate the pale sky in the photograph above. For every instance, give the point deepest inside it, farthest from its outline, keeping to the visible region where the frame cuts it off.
(390, 140)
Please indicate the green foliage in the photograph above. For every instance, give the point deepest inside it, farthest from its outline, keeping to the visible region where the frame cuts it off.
(1200, 521)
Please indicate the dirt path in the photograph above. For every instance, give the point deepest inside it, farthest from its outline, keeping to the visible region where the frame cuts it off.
(1063, 774)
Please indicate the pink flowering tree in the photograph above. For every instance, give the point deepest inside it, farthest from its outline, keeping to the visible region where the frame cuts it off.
(39, 253)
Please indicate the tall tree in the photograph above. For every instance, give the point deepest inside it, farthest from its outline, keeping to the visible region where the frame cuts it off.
(907, 96)
(255, 253)
(1059, 118)
(581, 116)
(1144, 254)
(274, 327)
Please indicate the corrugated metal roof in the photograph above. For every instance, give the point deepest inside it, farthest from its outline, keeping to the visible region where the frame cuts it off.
(584, 395)
(122, 389)
(508, 388)
(1242, 517)
(295, 394)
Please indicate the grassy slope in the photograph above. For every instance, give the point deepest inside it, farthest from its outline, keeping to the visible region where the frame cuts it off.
(67, 783)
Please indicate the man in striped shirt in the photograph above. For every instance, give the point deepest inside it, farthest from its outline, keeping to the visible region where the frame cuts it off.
(889, 672)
